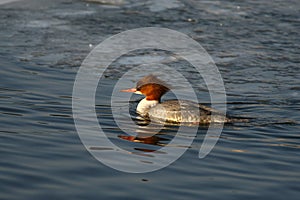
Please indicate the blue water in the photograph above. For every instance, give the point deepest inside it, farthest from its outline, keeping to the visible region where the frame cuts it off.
(255, 46)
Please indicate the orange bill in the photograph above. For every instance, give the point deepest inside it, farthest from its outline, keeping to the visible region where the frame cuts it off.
(129, 90)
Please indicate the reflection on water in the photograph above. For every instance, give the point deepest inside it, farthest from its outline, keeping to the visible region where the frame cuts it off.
(153, 140)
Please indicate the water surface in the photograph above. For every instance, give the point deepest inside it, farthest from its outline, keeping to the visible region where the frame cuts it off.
(255, 46)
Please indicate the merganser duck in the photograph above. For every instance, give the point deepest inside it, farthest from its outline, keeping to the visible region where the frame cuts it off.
(173, 111)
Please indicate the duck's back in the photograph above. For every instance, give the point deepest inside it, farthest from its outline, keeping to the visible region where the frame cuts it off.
(182, 111)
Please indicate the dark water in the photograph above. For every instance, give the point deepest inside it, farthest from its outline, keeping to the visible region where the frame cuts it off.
(256, 48)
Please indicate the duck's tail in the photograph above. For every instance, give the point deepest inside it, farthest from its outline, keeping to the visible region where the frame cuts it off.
(236, 120)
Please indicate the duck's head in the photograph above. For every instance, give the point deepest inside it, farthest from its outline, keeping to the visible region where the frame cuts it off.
(151, 87)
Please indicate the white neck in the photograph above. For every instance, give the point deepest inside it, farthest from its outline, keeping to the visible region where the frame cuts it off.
(145, 105)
